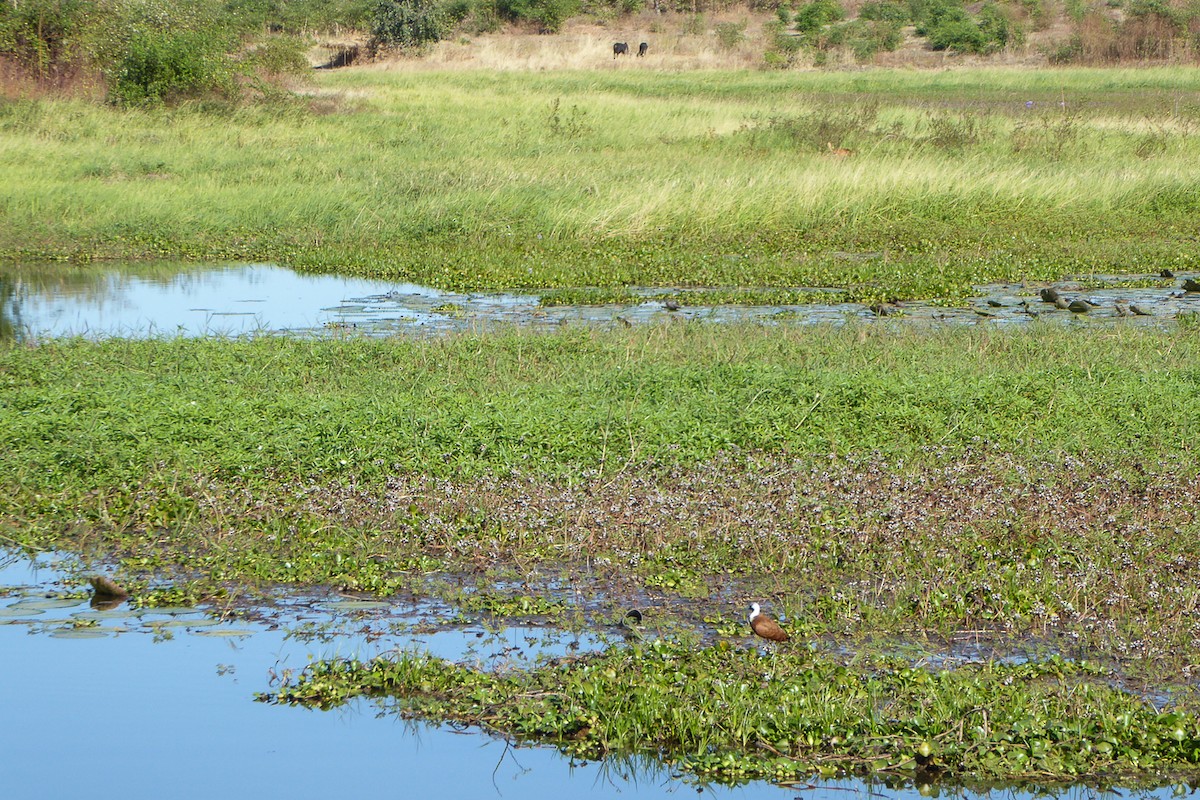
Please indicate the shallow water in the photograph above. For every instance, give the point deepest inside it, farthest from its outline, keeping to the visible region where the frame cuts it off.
(160, 703)
(241, 299)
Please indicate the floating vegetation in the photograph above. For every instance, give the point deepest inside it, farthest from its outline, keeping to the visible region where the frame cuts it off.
(729, 714)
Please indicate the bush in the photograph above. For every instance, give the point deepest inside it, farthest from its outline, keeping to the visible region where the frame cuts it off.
(167, 66)
(279, 55)
(298, 16)
(998, 29)
(864, 38)
(956, 32)
(549, 15)
(42, 35)
(410, 24)
(730, 34)
(948, 26)
(885, 11)
(782, 47)
(813, 16)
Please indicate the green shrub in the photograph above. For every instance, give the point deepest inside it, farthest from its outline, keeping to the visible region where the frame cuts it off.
(885, 11)
(168, 66)
(782, 47)
(948, 26)
(730, 34)
(864, 38)
(997, 28)
(42, 35)
(297, 16)
(928, 14)
(549, 15)
(957, 32)
(410, 24)
(279, 55)
(813, 16)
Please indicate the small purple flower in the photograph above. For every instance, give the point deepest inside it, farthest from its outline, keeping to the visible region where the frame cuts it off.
(1029, 104)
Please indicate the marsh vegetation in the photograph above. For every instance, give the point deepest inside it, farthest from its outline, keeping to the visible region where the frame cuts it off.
(467, 180)
(905, 500)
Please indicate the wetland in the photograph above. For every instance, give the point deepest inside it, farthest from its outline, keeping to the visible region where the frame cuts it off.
(391, 395)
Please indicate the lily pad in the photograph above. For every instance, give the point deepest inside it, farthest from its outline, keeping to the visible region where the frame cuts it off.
(225, 632)
(81, 633)
(98, 615)
(184, 623)
(50, 602)
(19, 611)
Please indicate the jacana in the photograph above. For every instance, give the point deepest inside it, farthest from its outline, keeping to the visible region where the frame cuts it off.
(766, 627)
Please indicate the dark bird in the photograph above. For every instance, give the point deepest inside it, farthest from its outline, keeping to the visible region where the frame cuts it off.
(671, 304)
(1140, 311)
(1049, 295)
(1061, 303)
(1190, 285)
(766, 627)
(1079, 306)
(1166, 273)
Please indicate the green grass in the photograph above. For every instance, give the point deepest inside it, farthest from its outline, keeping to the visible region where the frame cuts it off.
(93, 414)
(480, 180)
(878, 483)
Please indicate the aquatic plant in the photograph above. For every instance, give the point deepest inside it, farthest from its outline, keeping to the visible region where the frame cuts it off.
(730, 714)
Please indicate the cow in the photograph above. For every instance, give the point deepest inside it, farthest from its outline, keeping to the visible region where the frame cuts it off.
(642, 48)
(620, 49)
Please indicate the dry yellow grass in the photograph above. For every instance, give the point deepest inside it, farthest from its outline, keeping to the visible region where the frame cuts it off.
(676, 45)
(588, 45)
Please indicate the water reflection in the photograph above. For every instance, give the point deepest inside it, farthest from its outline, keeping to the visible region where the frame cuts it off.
(135, 701)
(170, 299)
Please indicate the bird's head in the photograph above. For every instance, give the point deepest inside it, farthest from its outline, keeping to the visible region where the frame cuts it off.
(754, 609)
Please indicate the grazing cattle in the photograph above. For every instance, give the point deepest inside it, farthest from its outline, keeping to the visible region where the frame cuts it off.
(642, 48)
(620, 49)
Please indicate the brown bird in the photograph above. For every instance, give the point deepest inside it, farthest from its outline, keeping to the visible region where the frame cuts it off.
(766, 627)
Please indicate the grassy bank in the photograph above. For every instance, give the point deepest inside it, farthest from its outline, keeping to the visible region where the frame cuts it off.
(615, 177)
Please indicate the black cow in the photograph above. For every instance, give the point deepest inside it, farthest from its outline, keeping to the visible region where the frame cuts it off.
(642, 48)
(620, 49)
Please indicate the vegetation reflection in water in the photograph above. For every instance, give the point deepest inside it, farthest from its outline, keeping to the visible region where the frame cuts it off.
(174, 299)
